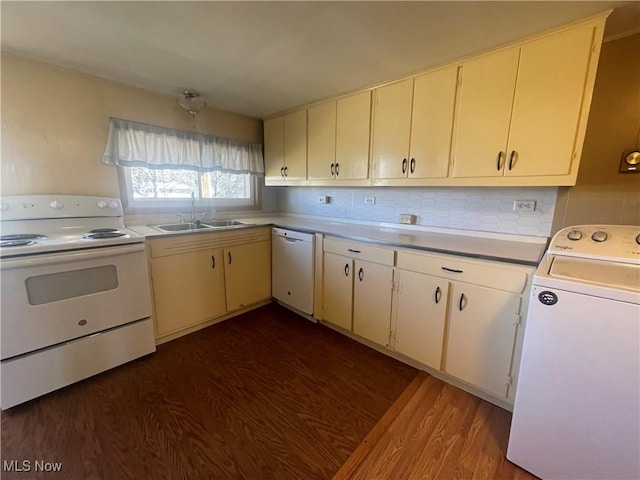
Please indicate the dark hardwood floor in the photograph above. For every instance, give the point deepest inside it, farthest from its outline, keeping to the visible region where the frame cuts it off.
(266, 395)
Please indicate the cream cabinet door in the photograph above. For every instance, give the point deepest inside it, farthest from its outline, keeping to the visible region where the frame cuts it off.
(187, 289)
(434, 96)
(353, 124)
(372, 291)
(274, 148)
(420, 316)
(337, 290)
(321, 141)
(482, 330)
(295, 145)
(391, 129)
(552, 76)
(484, 114)
(247, 272)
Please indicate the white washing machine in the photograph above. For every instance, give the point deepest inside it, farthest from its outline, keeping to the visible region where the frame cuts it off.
(577, 407)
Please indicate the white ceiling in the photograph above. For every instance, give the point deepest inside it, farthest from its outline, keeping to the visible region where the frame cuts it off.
(259, 58)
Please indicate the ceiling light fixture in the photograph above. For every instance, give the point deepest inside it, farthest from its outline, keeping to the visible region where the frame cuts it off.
(191, 102)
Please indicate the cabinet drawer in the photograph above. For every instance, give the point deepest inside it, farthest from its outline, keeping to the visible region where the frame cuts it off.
(480, 272)
(363, 251)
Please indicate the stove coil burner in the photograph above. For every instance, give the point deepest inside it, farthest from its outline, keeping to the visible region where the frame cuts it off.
(16, 243)
(109, 233)
(21, 236)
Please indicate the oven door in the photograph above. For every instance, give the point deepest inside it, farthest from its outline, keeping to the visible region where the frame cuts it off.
(51, 298)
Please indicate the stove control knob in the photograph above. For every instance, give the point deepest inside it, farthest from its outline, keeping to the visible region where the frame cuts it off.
(5, 207)
(113, 204)
(102, 204)
(574, 235)
(599, 236)
(56, 204)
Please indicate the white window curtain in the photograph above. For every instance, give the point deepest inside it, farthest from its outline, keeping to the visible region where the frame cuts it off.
(134, 144)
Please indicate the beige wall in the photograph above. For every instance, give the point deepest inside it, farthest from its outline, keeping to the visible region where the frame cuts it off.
(55, 123)
(602, 195)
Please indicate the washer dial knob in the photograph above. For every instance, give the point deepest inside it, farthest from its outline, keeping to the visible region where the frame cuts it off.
(599, 236)
(56, 204)
(113, 204)
(574, 235)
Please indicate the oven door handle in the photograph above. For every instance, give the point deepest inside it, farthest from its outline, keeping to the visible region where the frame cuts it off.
(52, 258)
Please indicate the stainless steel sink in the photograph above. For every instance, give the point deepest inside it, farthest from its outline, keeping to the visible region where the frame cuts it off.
(180, 227)
(191, 226)
(222, 223)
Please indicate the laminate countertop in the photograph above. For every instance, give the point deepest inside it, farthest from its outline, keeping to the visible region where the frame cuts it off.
(522, 249)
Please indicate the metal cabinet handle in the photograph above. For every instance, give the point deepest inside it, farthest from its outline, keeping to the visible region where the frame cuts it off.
(213, 262)
(404, 165)
(452, 270)
(512, 157)
(286, 171)
(499, 160)
(282, 171)
(337, 169)
(437, 295)
(353, 251)
(346, 269)
(333, 169)
(412, 165)
(461, 301)
(360, 274)
(229, 254)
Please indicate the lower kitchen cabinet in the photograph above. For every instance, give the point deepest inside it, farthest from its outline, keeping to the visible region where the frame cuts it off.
(420, 313)
(188, 289)
(482, 331)
(247, 270)
(357, 288)
(462, 317)
(201, 276)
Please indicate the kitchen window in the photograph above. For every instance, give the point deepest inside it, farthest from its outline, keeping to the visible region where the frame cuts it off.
(161, 168)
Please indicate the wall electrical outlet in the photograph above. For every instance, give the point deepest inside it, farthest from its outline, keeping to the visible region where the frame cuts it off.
(408, 218)
(524, 205)
(323, 199)
(369, 200)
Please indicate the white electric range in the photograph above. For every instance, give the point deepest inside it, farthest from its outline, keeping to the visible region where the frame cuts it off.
(74, 289)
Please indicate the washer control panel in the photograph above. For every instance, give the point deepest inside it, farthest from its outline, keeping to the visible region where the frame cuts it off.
(617, 243)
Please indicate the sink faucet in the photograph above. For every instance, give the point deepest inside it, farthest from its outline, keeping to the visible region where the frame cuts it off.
(193, 206)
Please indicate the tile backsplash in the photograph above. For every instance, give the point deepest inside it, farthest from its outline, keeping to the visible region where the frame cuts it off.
(482, 209)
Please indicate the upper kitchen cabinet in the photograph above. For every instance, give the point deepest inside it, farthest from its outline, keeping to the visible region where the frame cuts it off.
(285, 147)
(522, 111)
(413, 121)
(338, 136)
(353, 126)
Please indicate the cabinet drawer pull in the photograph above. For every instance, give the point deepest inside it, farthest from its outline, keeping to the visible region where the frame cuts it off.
(360, 274)
(404, 166)
(282, 171)
(462, 299)
(333, 169)
(512, 157)
(452, 270)
(286, 171)
(229, 255)
(412, 165)
(353, 251)
(337, 169)
(437, 295)
(499, 160)
(213, 262)
(346, 269)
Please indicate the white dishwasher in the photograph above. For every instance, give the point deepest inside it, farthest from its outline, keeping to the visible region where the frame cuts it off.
(293, 268)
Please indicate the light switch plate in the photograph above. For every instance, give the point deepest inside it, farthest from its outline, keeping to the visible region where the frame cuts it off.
(408, 218)
(524, 205)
